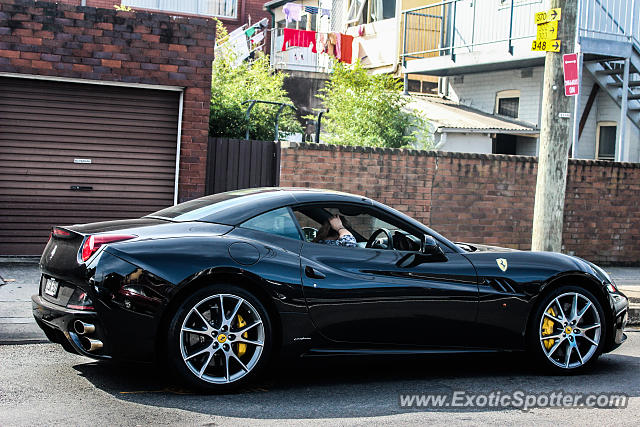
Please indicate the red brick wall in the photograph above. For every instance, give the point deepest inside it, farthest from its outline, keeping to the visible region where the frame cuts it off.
(44, 38)
(248, 10)
(482, 198)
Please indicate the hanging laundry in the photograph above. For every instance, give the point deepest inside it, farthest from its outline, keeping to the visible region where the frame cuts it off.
(257, 38)
(325, 12)
(250, 31)
(292, 12)
(332, 43)
(311, 9)
(262, 24)
(344, 48)
(321, 42)
(299, 38)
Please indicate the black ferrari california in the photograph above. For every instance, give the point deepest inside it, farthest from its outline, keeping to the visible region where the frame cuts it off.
(217, 286)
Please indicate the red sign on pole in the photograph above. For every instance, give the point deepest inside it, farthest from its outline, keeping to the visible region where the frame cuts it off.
(571, 79)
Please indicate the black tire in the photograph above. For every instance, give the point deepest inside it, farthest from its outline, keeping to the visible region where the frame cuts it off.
(184, 370)
(538, 348)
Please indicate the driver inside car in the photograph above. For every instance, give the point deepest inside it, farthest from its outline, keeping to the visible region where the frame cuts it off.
(333, 232)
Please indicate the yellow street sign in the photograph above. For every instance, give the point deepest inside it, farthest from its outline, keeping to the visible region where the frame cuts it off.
(550, 15)
(546, 45)
(548, 31)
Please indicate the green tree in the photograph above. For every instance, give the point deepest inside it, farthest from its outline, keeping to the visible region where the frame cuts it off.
(232, 84)
(369, 110)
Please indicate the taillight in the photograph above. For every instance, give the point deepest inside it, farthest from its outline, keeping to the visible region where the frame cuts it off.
(92, 243)
(59, 232)
(80, 301)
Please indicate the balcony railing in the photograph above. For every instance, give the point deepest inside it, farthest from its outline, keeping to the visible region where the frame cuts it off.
(297, 58)
(463, 26)
(615, 20)
(452, 27)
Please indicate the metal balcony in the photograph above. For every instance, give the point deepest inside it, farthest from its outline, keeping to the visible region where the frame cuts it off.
(461, 36)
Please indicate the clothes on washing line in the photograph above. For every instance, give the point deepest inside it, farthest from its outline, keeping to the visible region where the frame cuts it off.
(338, 45)
(300, 38)
(344, 48)
(316, 10)
(292, 12)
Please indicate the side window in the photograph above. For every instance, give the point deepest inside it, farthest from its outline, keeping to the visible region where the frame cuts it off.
(361, 222)
(277, 221)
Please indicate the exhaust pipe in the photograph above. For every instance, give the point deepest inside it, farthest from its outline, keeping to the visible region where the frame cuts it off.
(90, 344)
(83, 328)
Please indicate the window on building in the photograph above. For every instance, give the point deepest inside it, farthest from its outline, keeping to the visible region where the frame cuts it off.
(367, 11)
(219, 8)
(606, 141)
(508, 103)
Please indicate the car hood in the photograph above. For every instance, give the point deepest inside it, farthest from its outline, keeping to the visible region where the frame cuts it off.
(475, 247)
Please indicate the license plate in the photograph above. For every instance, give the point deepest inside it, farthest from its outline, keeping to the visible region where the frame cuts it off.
(51, 287)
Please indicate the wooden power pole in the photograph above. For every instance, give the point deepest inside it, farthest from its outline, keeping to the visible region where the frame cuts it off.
(555, 139)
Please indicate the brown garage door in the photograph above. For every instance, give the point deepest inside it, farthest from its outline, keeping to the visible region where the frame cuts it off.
(73, 153)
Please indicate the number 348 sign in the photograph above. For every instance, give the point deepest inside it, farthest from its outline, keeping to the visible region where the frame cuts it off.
(546, 45)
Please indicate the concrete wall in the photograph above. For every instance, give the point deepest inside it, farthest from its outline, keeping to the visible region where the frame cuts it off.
(482, 198)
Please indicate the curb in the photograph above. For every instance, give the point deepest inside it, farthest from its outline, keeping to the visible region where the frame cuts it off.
(19, 259)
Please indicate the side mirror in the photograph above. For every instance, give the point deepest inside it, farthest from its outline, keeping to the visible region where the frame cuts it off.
(429, 246)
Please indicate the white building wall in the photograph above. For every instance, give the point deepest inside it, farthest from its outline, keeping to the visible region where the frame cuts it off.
(604, 109)
(465, 142)
(479, 91)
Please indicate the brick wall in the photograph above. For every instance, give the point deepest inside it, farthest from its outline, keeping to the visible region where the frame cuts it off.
(482, 198)
(248, 10)
(44, 38)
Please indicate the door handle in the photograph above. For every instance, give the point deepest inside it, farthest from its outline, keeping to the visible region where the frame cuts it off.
(310, 272)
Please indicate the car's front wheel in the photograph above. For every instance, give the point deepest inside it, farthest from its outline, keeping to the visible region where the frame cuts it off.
(568, 330)
(219, 338)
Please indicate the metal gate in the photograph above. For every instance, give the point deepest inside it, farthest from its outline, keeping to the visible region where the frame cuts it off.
(234, 164)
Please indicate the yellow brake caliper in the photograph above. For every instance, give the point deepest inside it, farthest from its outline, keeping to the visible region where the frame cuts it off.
(242, 347)
(547, 329)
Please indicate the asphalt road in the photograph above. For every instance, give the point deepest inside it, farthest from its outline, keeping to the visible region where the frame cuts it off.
(42, 384)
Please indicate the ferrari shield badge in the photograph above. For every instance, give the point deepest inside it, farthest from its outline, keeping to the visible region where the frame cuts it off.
(502, 264)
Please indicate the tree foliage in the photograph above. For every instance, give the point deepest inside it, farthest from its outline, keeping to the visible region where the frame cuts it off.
(369, 110)
(232, 84)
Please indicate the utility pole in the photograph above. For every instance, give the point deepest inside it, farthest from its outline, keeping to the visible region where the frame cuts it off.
(555, 139)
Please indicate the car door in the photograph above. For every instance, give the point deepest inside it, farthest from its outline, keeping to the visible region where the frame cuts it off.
(389, 297)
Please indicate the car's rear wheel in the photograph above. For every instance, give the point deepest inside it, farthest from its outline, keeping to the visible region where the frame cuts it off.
(219, 338)
(568, 330)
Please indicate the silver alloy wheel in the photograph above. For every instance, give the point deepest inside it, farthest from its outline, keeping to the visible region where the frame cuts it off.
(570, 330)
(221, 338)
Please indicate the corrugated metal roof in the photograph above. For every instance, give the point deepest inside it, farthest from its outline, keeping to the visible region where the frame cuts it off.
(449, 116)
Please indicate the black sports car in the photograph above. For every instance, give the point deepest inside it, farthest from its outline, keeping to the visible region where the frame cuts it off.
(220, 284)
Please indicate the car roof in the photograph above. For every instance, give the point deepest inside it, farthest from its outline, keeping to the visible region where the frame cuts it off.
(237, 206)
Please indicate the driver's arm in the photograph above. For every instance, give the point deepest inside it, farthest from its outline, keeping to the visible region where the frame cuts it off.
(336, 224)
